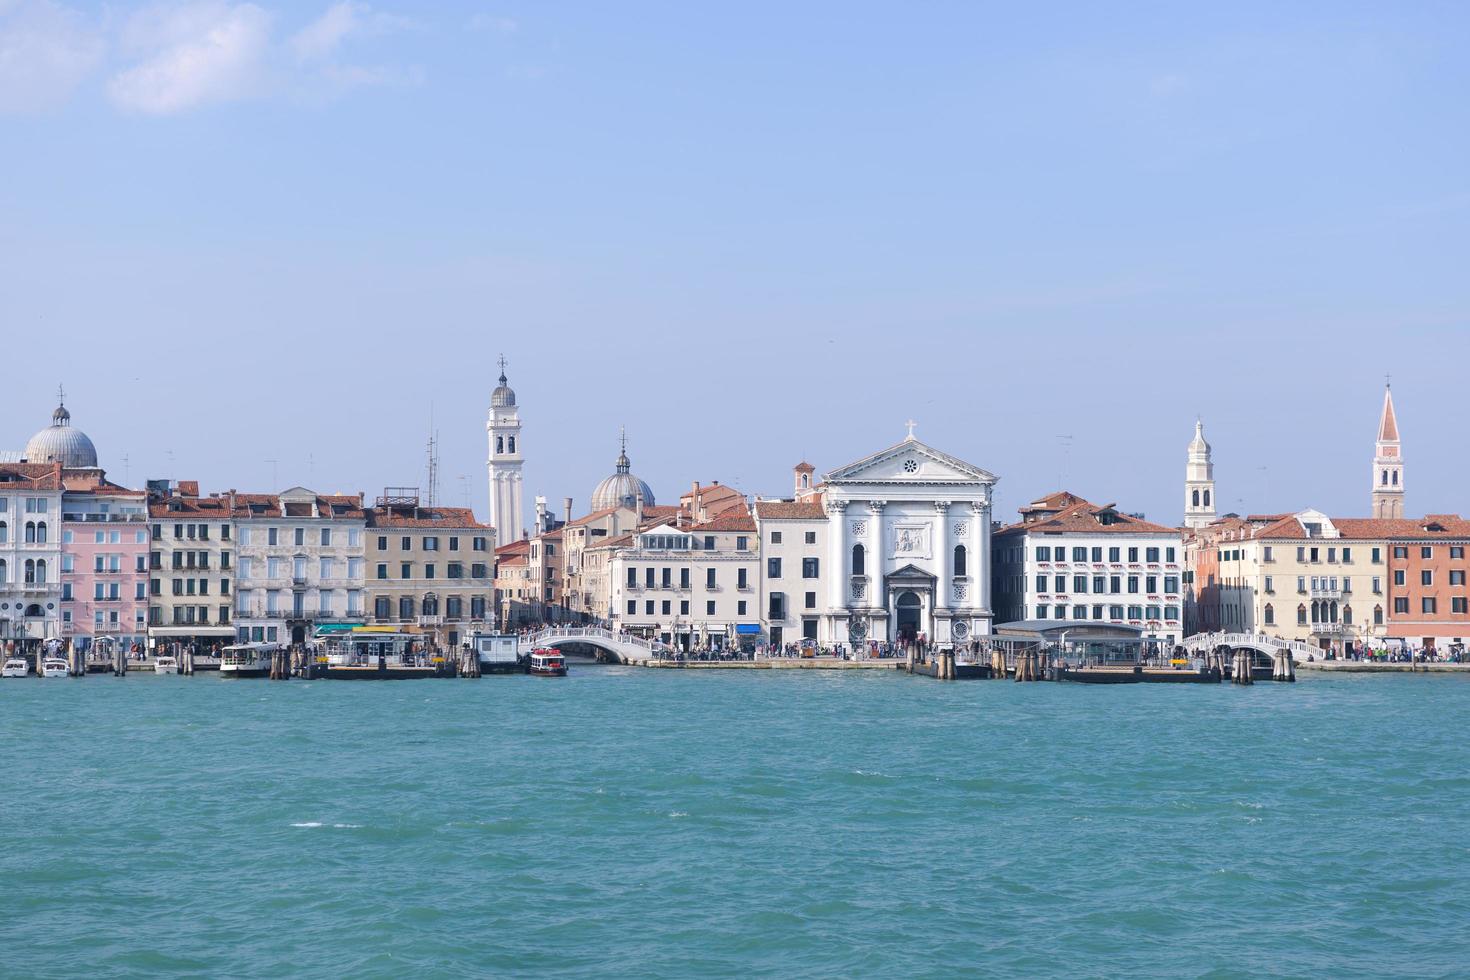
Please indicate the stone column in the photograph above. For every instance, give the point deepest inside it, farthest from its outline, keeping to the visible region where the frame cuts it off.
(942, 554)
(980, 559)
(877, 597)
(837, 559)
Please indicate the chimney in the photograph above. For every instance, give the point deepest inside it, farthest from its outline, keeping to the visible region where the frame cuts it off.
(566, 507)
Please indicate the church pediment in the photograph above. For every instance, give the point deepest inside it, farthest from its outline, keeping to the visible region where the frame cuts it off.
(910, 573)
(911, 461)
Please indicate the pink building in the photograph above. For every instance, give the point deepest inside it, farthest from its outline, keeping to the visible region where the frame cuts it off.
(104, 561)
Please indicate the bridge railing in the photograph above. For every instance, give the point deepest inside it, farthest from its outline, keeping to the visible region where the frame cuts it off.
(596, 632)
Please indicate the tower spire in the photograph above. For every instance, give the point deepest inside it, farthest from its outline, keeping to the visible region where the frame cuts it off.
(1199, 480)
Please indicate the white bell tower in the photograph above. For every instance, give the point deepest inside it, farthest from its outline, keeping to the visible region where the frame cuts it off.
(504, 430)
(1199, 481)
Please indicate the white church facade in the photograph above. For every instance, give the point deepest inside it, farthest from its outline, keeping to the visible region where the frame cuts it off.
(907, 552)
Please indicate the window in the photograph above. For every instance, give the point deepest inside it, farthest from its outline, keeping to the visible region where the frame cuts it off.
(1099, 583)
(1097, 554)
(1401, 604)
(775, 537)
(632, 578)
(1270, 585)
(709, 578)
(1133, 584)
(777, 607)
(479, 570)
(1428, 604)
(959, 561)
(1457, 604)
(456, 569)
(1347, 556)
(648, 607)
(1426, 577)
(1270, 615)
(1151, 555)
(709, 608)
(429, 571)
(740, 608)
(742, 578)
(648, 578)
(1457, 551)
(811, 537)
(326, 537)
(666, 578)
(1041, 581)
(1426, 552)
(1301, 584)
(1398, 576)
(811, 600)
(1079, 554)
(1059, 584)
(666, 606)
(773, 567)
(1151, 584)
(809, 568)
(1043, 553)
(1115, 612)
(405, 569)
(1399, 551)
(683, 607)
(742, 543)
(1266, 554)
(1133, 556)
(1301, 554)
(632, 607)
(1079, 583)
(300, 536)
(859, 560)
(1301, 615)
(1171, 583)
(479, 544)
(684, 578)
(1041, 612)
(1115, 584)
(1457, 577)
(1169, 555)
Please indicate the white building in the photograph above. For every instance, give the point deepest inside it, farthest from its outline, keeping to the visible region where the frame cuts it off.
(504, 431)
(1199, 481)
(30, 553)
(1069, 559)
(906, 551)
(300, 561)
(793, 543)
(690, 586)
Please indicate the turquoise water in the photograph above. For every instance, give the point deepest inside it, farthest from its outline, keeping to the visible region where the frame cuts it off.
(668, 824)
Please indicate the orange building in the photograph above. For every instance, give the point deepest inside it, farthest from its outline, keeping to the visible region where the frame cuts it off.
(1427, 571)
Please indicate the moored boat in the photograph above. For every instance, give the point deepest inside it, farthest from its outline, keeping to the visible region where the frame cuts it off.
(165, 665)
(548, 663)
(366, 653)
(15, 667)
(53, 667)
(247, 659)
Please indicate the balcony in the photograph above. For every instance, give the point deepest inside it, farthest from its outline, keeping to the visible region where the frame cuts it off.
(431, 620)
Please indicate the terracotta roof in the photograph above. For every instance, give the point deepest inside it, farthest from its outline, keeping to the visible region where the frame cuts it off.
(595, 515)
(805, 467)
(31, 476)
(267, 506)
(730, 520)
(429, 517)
(618, 542)
(660, 511)
(789, 510)
(1054, 501)
(1083, 517)
(514, 548)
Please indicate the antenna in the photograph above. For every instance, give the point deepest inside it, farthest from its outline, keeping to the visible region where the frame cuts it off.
(464, 486)
(126, 470)
(1066, 442)
(433, 468)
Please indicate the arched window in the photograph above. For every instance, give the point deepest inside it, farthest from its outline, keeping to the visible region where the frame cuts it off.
(500, 444)
(1207, 498)
(1194, 499)
(4, 532)
(1385, 477)
(1377, 615)
(41, 532)
(1316, 613)
(3, 576)
(405, 608)
(1332, 612)
(1301, 615)
(1347, 615)
(41, 571)
(959, 560)
(30, 532)
(1270, 614)
(512, 443)
(1395, 477)
(859, 560)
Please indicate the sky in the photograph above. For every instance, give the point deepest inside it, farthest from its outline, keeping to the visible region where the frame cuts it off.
(266, 244)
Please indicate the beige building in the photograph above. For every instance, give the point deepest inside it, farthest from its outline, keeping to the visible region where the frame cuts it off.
(191, 565)
(430, 568)
(793, 543)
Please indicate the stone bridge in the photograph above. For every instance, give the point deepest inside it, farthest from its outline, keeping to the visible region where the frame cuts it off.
(620, 648)
(1266, 646)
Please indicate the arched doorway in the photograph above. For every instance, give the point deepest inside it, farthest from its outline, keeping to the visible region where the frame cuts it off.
(907, 616)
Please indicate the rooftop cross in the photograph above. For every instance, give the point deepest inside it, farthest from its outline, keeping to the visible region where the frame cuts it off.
(502, 367)
(61, 394)
(911, 423)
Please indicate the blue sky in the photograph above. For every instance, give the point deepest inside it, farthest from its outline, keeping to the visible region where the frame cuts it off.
(751, 233)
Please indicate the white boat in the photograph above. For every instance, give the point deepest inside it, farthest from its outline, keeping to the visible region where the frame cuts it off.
(15, 668)
(247, 659)
(53, 667)
(165, 665)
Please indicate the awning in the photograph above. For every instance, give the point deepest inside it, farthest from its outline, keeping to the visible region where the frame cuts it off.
(747, 628)
(195, 630)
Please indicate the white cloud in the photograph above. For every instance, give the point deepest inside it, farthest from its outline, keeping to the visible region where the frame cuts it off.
(319, 40)
(46, 51)
(193, 54)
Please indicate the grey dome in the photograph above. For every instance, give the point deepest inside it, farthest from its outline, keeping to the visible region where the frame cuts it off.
(60, 443)
(503, 396)
(622, 489)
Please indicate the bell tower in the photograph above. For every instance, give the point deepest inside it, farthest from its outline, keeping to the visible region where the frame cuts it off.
(1388, 463)
(504, 430)
(1199, 481)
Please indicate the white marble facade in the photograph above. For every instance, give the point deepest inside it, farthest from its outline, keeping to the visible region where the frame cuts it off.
(909, 547)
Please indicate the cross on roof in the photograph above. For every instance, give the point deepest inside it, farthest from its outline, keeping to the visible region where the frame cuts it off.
(61, 394)
(911, 423)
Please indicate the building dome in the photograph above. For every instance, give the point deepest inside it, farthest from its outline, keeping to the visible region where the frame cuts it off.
(503, 396)
(60, 443)
(622, 489)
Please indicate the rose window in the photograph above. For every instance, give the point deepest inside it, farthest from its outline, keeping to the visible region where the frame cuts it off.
(911, 466)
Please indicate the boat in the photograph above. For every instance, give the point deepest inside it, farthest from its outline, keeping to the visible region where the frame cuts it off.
(548, 663)
(54, 667)
(165, 665)
(366, 653)
(15, 667)
(247, 659)
(499, 653)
